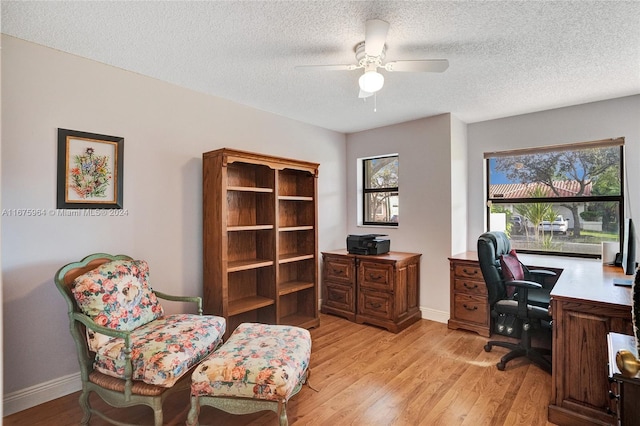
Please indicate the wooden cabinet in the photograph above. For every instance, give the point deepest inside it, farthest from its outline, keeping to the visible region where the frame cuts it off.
(627, 396)
(469, 304)
(382, 290)
(260, 251)
(625, 390)
(580, 384)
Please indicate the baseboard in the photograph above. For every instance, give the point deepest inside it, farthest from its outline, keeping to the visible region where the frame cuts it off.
(433, 315)
(40, 393)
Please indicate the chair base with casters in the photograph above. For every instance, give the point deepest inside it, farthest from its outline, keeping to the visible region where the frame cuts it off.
(522, 349)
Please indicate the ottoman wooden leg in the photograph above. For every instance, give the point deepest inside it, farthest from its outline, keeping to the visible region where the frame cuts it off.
(282, 413)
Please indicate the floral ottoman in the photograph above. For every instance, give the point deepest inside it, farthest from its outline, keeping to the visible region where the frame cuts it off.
(259, 368)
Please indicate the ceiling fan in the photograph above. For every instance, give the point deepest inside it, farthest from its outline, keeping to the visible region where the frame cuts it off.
(369, 56)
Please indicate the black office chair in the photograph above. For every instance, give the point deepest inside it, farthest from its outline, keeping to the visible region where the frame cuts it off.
(491, 246)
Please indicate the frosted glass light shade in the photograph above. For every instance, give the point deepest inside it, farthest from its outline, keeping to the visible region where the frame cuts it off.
(371, 81)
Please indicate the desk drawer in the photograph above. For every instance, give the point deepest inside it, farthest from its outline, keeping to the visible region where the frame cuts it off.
(339, 296)
(377, 276)
(375, 304)
(471, 309)
(467, 286)
(468, 271)
(339, 269)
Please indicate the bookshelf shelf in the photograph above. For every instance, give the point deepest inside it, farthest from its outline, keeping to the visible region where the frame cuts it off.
(260, 239)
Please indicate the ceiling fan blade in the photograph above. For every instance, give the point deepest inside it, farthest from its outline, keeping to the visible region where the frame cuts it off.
(375, 36)
(364, 94)
(327, 67)
(426, 65)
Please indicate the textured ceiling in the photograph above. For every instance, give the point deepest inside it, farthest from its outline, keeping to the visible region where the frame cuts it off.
(505, 58)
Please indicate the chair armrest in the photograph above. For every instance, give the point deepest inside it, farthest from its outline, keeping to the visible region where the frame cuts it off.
(90, 324)
(190, 299)
(523, 284)
(542, 272)
(123, 334)
(523, 295)
(540, 276)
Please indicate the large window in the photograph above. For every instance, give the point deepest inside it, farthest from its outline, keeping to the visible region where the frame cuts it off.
(380, 191)
(561, 200)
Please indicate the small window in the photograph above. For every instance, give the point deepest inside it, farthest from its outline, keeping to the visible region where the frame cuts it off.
(380, 191)
(558, 200)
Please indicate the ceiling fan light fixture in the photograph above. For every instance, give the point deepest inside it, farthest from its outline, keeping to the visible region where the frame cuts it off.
(371, 81)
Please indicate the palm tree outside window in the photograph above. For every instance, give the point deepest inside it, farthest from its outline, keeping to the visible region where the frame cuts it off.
(564, 200)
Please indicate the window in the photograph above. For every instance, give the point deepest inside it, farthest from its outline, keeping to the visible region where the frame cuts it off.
(561, 200)
(380, 191)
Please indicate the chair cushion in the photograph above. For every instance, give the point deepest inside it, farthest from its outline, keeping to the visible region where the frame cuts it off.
(258, 361)
(511, 270)
(117, 295)
(510, 307)
(164, 349)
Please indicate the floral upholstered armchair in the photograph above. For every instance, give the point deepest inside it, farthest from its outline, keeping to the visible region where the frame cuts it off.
(129, 351)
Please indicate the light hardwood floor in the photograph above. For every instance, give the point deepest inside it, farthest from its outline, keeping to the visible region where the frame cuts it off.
(425, 375)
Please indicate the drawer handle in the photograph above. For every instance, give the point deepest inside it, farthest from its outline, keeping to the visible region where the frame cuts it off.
(470, 287)
(473, 272)
(375, 277)
(473, 308)
(338, 271)
(374, 305)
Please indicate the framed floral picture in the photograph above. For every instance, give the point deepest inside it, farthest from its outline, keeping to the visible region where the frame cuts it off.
(89, 170)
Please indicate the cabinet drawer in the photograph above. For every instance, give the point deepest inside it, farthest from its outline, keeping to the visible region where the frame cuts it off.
(377, 276)
(471, 309)
(339, 296)
(338, 269)
(375, 304)
(470, 287)
(468, 271)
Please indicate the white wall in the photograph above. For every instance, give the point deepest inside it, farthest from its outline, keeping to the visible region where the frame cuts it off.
(425, 196)
(458, 186)
(166, 129)
(581, 123)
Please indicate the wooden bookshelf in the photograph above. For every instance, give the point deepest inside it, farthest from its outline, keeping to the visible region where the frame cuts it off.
(260, 239)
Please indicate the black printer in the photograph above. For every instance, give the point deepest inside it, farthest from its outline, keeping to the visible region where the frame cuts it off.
(368, 244)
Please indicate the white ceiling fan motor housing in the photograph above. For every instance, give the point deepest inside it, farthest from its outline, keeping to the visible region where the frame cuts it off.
(364, 59)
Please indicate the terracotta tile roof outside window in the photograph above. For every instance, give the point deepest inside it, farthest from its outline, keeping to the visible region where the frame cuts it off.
(566, 188)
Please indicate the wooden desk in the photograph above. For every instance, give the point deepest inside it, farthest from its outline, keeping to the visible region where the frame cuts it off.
(585, 306)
